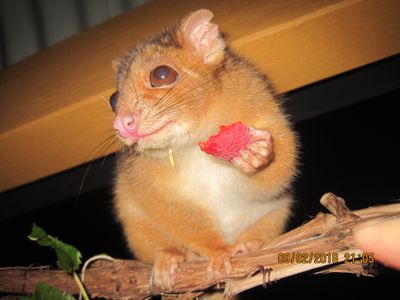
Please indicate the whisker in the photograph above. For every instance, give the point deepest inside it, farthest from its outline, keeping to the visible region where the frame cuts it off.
(185, 101)
(180, 79)
(176, 100)
(93, 153)
(185, 75)
(171, 98)
(105, 145)
(136, 95)
(106, 150)
(84, 178)
(92, 161)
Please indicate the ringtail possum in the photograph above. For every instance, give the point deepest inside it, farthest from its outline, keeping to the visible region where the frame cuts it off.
(173, 91)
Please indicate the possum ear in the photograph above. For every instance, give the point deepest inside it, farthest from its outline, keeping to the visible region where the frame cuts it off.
(203, 36)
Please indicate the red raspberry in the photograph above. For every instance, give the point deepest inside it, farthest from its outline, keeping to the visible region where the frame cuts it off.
(228, 142)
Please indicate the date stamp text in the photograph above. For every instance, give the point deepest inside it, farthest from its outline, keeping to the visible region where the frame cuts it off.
(324, 258)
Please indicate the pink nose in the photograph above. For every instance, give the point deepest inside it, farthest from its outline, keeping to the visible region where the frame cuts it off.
(125, 125)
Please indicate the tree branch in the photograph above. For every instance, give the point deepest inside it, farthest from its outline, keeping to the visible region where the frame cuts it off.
(323, 245)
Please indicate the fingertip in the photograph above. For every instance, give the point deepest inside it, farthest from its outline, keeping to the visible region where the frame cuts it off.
(382, 239)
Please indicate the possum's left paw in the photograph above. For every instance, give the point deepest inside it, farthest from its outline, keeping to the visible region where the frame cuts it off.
(258, 153)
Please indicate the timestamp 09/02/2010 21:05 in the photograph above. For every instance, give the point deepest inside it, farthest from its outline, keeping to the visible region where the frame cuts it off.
(324, 257)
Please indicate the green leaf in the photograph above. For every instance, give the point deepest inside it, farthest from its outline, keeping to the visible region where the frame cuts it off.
(69, 258)
(39, 235)
(44, 291)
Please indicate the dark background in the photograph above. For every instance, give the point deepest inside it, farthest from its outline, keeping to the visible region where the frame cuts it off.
(351, 151)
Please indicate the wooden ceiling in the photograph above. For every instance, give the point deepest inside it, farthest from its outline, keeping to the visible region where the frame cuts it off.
(54, 107)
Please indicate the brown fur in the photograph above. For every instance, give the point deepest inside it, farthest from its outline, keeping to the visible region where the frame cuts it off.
(166, 209)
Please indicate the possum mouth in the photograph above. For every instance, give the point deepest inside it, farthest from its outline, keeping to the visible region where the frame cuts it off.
(134, 137)
(154, 132)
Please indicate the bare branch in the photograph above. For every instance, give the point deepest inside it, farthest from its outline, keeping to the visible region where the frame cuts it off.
(323, 245)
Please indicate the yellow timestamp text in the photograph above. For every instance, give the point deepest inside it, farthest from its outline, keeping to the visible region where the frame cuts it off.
(323, 258)
(364, 258)
(308, 257)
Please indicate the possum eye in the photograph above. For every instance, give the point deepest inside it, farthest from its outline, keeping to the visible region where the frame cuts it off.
(162, 75)
(113, 101)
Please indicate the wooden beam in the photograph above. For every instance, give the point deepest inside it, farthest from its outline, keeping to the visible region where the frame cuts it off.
(54, 111)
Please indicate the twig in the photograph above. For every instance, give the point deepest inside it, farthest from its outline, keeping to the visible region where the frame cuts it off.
(338, 208)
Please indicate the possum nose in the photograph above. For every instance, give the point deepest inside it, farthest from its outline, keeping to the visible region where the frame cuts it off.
(125, 125)
(128, 122)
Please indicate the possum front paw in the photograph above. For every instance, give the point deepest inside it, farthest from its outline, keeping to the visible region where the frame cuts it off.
(165, 266)
(258, 153)
(219, 262)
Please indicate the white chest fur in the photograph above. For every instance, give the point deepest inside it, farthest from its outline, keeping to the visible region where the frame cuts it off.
(225, 191)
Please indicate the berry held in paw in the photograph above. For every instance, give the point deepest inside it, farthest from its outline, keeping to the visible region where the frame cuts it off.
(229, 141)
